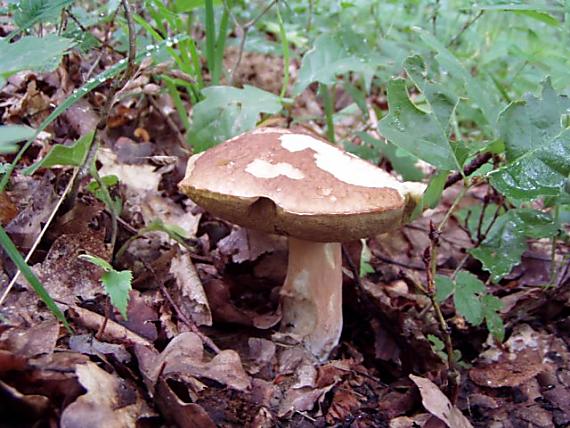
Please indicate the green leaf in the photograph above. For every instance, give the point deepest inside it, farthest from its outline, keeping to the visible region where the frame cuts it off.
(468, 290)
(31, 12)
(432, 194)
(226, 112)
(506, 241)
(10, 134)
(32, 53)
(444, 288)
(334, 54)
(97, 261)
(491, 306)
(31, 277)
(59, 155)
(416, 131)
(537, 147)
(118, 286)
(365, 256)
(479, 94)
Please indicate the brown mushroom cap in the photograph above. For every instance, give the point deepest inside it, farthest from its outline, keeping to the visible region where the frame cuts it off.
(295, 184)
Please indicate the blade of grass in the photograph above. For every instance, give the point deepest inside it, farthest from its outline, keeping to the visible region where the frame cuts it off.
(210, 36)
(33, 280)
(285, 49)
(178, 104)
(220, 47)
(325, 93)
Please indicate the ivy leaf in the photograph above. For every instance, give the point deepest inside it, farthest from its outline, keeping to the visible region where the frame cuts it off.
(416, 131)
(73, 155)
(11, 134)
(335, 54)
(118, 286)
(32, 53)
(468, 289)
(226, 112)
(537, 146)
(506, 241)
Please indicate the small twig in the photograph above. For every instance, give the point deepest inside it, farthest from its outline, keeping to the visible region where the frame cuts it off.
(434, 17)
(464, 28)
(469, 169)
(101, 329)
(179, 137)
(115, 86)
(40, 236)
(244, 29)
(352, 267)
(191, 324)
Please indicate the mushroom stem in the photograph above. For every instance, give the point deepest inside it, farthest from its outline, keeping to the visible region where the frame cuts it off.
(312, 295)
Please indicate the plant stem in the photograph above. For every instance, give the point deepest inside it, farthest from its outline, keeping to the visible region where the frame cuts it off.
(210, 37)
(285, 49)
(328, 103)
(220, 47)
(553, 264)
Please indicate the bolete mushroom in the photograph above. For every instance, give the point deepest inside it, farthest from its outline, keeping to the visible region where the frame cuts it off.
(298, 185)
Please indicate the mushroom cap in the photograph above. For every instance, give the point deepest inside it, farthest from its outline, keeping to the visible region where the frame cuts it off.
(296, 184)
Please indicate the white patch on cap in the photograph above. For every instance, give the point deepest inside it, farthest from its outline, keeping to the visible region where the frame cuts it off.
(263, 169)
(265, 130)
(344, 166)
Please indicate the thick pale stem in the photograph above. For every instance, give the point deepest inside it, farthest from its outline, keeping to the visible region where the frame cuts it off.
(312, 295)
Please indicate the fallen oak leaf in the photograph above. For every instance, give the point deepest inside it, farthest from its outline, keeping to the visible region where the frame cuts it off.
(439, 405)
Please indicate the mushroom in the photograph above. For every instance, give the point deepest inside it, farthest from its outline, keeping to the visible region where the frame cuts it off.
(298, 185)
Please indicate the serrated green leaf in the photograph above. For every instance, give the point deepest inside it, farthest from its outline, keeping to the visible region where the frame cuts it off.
(97, 261)
(506, 241)
(11, 134)
(59, 155)
(416, 131)
(468, 291)
(335, 54)
(444, 288)
(491, 307)
(118, 286)
(537, 147)
(226, 112)
(32, 53)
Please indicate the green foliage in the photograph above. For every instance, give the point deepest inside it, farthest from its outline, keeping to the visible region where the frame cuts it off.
(32, 53)
(60, 155)
(335, 54)
(365, 256)
(226, 112)
(101, 192)
(537, 143)
(117, 284)
(416, 131)
(439, 348)
(506, 240)
(11, 134)
(31, 12)
(471, 301)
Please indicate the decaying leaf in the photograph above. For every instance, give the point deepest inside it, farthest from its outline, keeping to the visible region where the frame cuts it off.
(439, 405)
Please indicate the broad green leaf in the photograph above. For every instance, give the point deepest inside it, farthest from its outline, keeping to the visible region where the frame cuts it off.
(537, 147)
(11, 134)
(59, 155)
(537, 12)
(506, 241)
(32, 53)
(31, 12)
(479, 94)
(31, 277)
(416, 131)
(97, 261)
(444, 288)
(334, 54)
(118, 286)
(404, 163)
(226, 112)
(491, 306)
(468, 290)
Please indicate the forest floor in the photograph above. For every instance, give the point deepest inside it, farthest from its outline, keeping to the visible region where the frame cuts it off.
(197, 348)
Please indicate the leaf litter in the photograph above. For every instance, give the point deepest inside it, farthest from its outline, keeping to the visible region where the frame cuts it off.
(155, 367)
